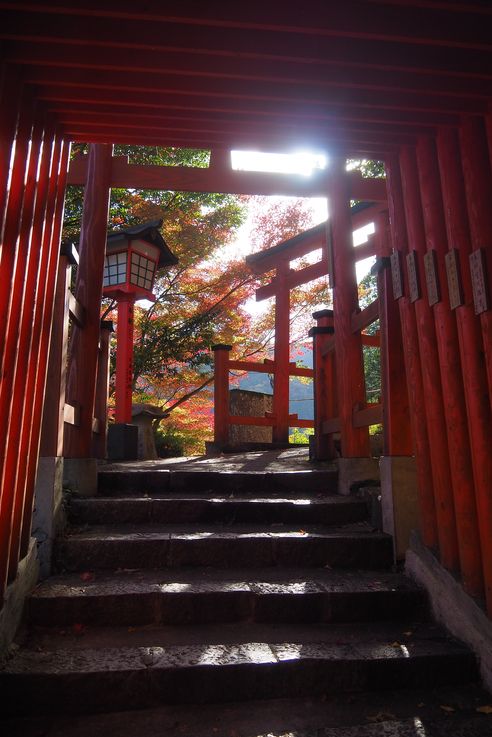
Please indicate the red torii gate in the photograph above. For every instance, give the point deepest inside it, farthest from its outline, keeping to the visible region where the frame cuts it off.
(354, 417)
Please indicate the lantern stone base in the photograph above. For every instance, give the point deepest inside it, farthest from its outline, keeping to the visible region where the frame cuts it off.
(354, 472)
(80, 475)
(399, 500)
(122, 442)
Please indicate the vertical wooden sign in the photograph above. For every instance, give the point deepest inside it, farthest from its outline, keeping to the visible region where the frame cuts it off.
(396, 275)
(478, 270)
(431, 277)
(453, 273)
(413, 276)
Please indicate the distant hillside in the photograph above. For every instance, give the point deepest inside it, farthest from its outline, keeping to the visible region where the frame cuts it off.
(301, 395)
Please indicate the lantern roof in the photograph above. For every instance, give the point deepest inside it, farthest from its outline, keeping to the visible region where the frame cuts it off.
(148, 232)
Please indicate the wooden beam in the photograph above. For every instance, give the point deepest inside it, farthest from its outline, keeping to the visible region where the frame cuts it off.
(415, 31)
(369, 415)
(182, 64)
(365, 250)
(365, 317)
(294, 279)
(76, 310)
(191, 179)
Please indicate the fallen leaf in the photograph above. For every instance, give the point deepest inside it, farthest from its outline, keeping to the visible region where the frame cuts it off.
(487, 709)
(446, 708)
(87, 576)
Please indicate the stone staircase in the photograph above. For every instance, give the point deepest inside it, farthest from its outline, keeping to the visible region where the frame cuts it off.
(261, 600)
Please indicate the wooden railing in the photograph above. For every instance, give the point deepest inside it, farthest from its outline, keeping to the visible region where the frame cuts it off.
(223, 419)
(59, 413)
(326, 419)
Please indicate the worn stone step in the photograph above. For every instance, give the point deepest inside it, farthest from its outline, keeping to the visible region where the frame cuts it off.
(124, 479)
(414, 712)
(159, 546)
(331, 510)
(206, 596)
(117, 669)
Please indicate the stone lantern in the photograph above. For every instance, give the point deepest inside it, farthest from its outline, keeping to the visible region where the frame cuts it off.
(133, 256)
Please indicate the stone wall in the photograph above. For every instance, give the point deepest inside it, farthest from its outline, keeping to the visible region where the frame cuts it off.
(243, 402)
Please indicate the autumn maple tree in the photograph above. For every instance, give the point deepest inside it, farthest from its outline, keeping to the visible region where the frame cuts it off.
(201, 300)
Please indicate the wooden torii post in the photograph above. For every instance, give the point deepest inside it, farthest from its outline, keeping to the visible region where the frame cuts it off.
(285, 279)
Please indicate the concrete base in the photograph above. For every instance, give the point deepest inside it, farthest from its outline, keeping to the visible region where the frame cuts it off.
(122, 442)
(48, 518)
(80, 475)
(354, 471)
(15, 595)
(451, 606)
(399, 500)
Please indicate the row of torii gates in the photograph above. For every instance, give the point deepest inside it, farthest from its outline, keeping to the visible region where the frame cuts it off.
(432, 241)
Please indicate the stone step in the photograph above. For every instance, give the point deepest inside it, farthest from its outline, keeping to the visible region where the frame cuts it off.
(160, 546)
(143, 668)
(193, 596)
(330, 510)
(406, 713)
(123, 479)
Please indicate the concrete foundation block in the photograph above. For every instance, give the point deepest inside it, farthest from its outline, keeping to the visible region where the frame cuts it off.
(48, 516)
(80, 475)
(122, 442)
(399, 500)
(451, 605)
(355, 471)
(15, 595)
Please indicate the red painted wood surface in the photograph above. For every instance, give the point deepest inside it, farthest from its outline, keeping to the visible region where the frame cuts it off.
(221, 393)
(124, 360)
(348, 346)
(81, 378)
(224, 179)
(282, 358)
(471, 347)
(478, 187)
(10, 281)
(100, 439)
(54, 409)
(397, 434)
(25, 424)
(323, 447)
(434, 401)
(411, 353)
(451, 375)
(42, 332)
(25, 384)
(13, 215)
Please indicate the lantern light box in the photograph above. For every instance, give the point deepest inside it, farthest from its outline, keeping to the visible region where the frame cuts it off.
(133, 256)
